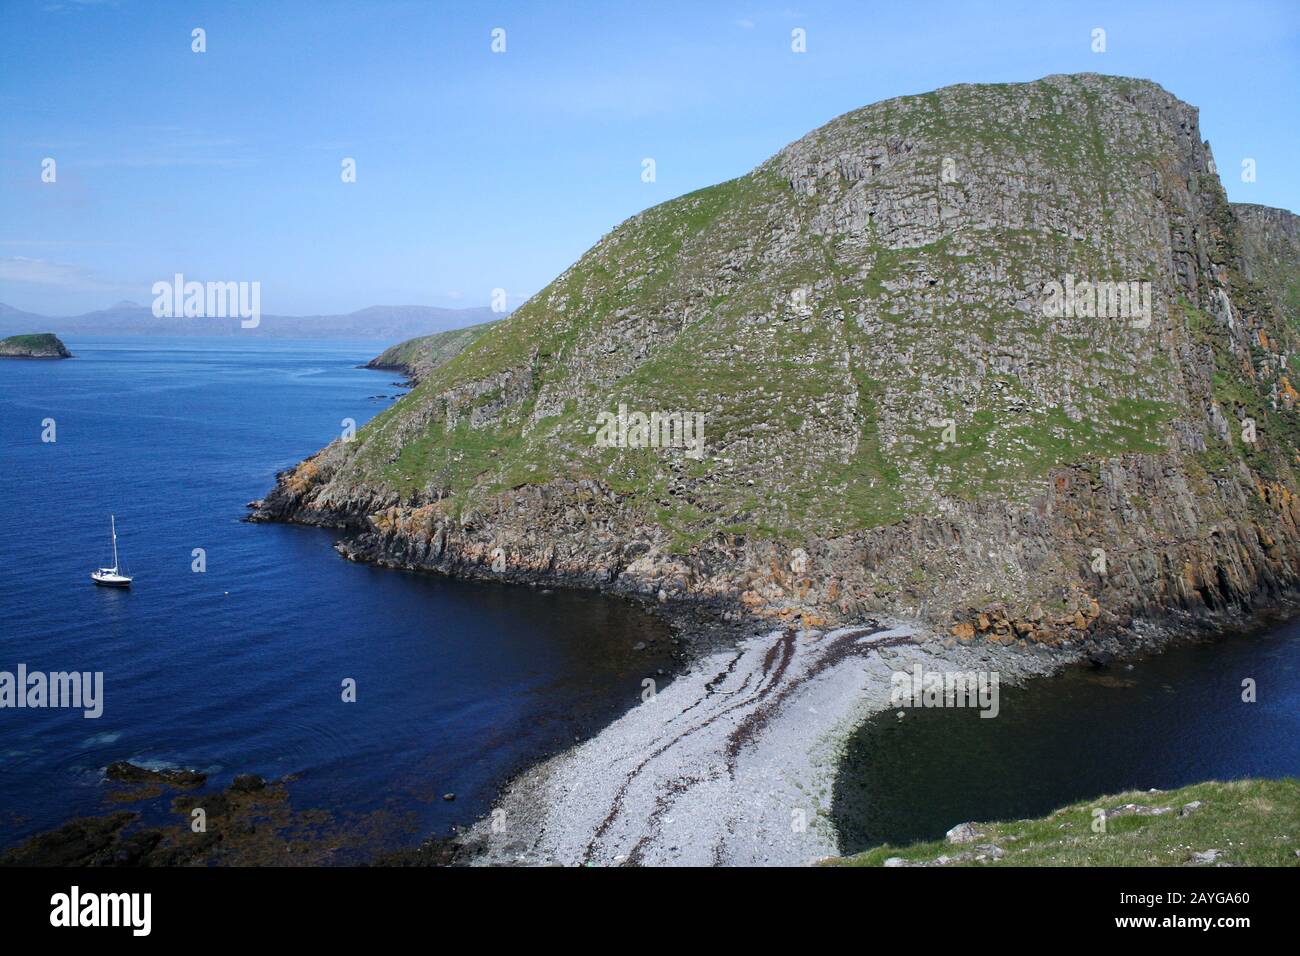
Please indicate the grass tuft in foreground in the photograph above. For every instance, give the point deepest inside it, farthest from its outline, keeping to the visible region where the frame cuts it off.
(1248, 823)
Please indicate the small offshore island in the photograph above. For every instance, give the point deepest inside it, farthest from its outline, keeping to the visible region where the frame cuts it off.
(38, 345)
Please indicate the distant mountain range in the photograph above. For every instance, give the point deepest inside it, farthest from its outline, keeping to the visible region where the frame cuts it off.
(389, 323)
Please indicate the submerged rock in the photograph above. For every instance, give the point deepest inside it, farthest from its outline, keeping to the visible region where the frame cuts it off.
(123, 771)
(249, 823)
(247, 783)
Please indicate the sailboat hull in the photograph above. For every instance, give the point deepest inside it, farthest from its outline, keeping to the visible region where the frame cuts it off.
(107, 579)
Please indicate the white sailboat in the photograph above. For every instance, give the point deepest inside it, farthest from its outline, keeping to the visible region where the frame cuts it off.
(111, 577)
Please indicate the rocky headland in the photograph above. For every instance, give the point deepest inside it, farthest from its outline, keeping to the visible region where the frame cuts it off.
(994, 376)
(895, 424)
(417, 358)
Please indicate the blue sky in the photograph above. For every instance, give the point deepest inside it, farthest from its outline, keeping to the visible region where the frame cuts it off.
(478, 170)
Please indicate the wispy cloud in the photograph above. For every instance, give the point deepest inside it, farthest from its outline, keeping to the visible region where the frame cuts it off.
(45, 272)
(57, 243)
(71, 5)
(146, 162)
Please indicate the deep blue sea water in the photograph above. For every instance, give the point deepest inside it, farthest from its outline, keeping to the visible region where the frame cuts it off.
(239, 669)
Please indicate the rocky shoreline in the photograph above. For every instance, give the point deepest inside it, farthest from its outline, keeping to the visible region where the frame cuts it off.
(731, 764)
(714, 768)
(734, 762)
(166, 817)
(1187, 583)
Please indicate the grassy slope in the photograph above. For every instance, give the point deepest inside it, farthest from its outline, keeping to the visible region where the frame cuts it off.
(1253, 823)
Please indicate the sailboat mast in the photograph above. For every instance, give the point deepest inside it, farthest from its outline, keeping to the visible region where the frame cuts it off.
(112, 521)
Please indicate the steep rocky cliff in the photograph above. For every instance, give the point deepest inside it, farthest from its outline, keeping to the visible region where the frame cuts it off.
(924, 390)
(1271, 254)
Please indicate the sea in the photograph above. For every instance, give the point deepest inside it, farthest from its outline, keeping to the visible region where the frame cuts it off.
(233, 651)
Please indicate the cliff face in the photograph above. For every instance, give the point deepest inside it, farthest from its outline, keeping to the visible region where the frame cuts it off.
(1270, 240)
(35, 345)
(916, 396)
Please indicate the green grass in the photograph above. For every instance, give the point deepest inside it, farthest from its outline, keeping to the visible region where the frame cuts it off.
(34, 340)
(1251, 823)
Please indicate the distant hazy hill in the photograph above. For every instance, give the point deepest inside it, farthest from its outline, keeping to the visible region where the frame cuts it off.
(11, 319)
(390, 323)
